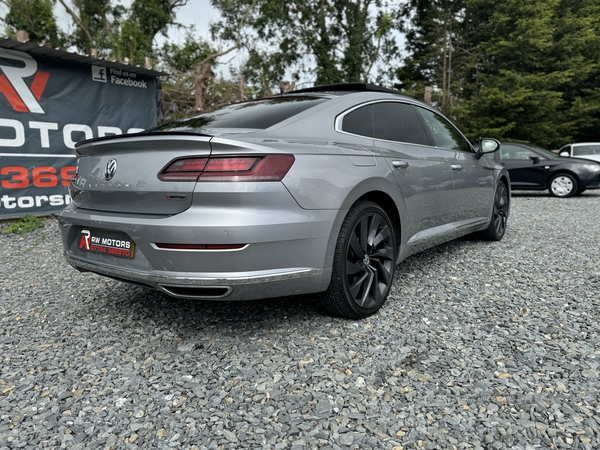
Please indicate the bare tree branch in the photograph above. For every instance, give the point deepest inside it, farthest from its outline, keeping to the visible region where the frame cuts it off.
(238, 42)
(79, 22)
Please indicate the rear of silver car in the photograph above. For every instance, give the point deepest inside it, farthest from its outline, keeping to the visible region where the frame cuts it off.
(305, 193)
(141, 213)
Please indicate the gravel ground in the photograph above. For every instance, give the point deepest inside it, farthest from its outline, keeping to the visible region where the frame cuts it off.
(481, 345)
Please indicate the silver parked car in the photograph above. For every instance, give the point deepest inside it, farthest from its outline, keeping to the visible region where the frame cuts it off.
(321, 190)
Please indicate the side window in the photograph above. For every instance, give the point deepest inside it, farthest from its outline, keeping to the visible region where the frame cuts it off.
(398, 122)
(444, 134)
(580, 150)
(508, 151)
(359, 121)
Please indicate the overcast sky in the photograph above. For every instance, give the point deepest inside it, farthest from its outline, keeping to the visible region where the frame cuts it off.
(198, 13)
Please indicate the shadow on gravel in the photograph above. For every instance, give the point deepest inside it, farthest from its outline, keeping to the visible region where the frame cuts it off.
(153, 313)
(145, 305)
(139, 313)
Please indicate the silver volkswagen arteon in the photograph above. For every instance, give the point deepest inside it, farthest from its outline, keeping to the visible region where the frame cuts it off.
(321, 190)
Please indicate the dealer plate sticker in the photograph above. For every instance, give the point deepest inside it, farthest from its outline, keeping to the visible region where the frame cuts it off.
(106, 242)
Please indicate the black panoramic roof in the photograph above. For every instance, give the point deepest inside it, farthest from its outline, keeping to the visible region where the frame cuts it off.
(345, 87)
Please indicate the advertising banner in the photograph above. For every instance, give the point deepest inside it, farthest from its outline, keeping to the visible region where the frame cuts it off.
(49, 104)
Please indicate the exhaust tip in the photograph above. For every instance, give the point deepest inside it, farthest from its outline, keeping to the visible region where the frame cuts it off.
(198, 292)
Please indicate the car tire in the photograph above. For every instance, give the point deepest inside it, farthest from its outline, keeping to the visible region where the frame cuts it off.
(363, 264)
(563, 185)
(497, 226)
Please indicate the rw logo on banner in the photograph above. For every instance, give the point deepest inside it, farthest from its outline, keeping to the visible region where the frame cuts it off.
(20, 96)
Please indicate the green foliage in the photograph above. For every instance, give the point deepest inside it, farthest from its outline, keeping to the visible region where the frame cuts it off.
(37, 18)
(120, 33)
(97, 26)
(178, 88)
(436, 49)
(525, 70)
(184, 57)
(24, 225)
(329, 41)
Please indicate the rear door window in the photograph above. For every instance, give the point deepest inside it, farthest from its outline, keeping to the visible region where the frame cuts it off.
(390, 121)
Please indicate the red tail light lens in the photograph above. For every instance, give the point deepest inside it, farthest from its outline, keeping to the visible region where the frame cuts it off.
(228, 168)
(230, 164)
(183, 170)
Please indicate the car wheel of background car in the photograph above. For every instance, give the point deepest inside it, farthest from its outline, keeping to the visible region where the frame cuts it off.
(497, 227)
(563, 185)
(364, 263)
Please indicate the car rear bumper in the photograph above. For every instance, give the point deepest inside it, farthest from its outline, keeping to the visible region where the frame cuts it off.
(286, 250)
(224, 286)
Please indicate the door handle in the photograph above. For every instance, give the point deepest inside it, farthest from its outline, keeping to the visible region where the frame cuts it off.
(400, 164)
(456, 167)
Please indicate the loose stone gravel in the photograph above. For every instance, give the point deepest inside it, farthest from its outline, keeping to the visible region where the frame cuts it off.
(480, 346)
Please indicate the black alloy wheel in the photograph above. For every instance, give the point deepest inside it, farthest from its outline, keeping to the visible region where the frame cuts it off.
(364, 263)
(497, 227)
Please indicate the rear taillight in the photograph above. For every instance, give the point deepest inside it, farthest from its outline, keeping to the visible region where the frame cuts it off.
(228, 168)
(188, 169)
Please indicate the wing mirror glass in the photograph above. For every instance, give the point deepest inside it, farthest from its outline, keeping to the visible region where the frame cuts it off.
(488, 145)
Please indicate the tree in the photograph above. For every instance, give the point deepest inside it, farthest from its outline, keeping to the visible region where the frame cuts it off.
(118, 33)
(515, 90)
(434, 40)
(577, 52)
(36, 17)
(329, 41)
(96, 24)
(524, 70)
(181, 88)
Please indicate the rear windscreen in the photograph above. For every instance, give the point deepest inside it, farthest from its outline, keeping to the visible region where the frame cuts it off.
(259, 114)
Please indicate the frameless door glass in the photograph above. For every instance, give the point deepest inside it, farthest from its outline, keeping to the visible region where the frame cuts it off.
(398, 122)
(444, 133)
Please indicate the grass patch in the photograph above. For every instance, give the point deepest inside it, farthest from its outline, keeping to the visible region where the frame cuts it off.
(24, 225)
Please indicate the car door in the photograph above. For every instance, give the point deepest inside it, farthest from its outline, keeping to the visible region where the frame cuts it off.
(473, 179)
(527, 168)
(423, 175)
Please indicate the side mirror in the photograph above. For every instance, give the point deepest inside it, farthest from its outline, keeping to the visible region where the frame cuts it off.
(487, 145)
(534, 158)
(564, 154)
